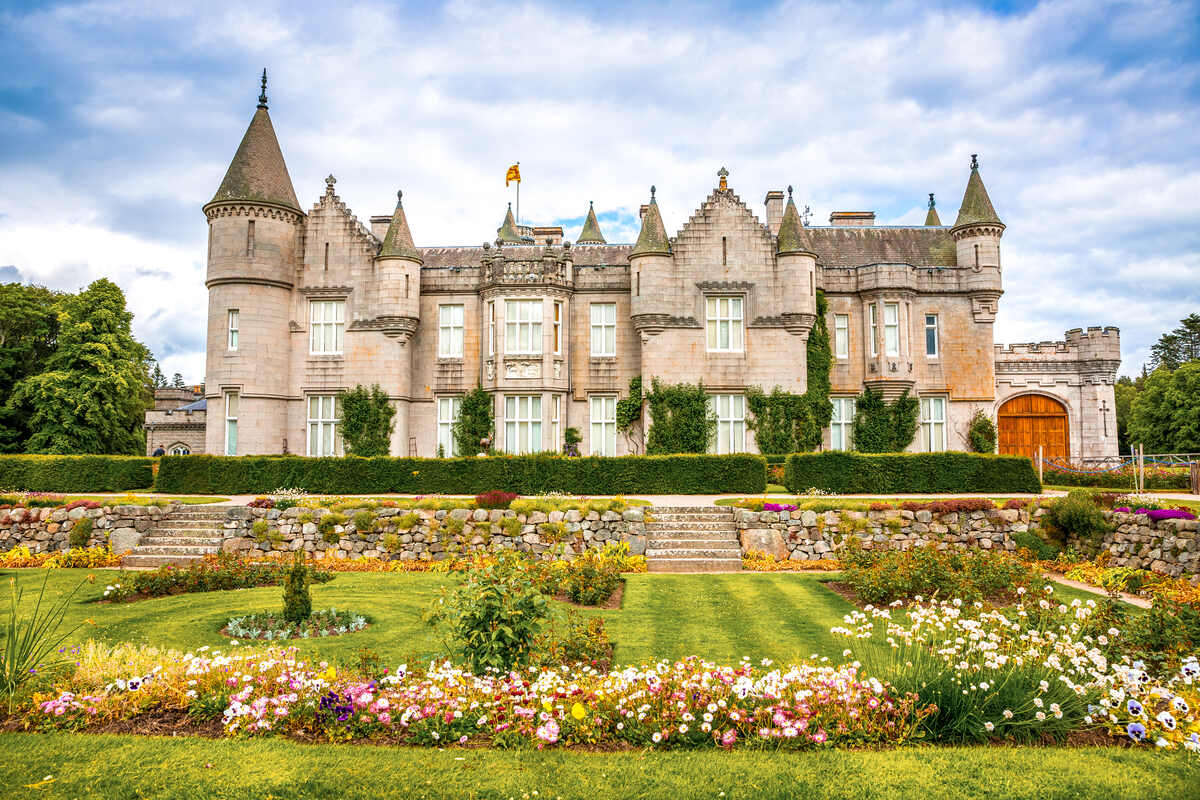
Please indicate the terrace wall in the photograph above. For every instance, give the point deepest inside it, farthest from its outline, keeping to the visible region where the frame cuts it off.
(45, 529)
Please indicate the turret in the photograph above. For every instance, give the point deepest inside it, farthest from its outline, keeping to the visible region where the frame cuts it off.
(591, 229)
(398, 269)
(932, 218)
(797, 264)
(507, 233)
(651, 268)
(977, 233)
(253, 224)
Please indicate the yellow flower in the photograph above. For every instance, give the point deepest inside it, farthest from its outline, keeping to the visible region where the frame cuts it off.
(578, 711)
(546, 705)
(329, 674)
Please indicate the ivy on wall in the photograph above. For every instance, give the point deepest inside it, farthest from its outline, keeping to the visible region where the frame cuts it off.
(629, 415)
(367, 421)
(883, 427)
(476, 421)
(680, 418)
(982, 433)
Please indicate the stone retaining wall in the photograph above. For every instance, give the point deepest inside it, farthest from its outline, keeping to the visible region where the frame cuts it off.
(46, 529)
(431, 535)
(1170, 547)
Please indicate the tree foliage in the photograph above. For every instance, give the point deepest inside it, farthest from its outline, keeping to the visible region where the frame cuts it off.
(367, 421)
(1174, 349)
(1126, 391)
(629, 414)
(883, 427)
(28, 334)
(981, 434)
(91, 395)
(681, 420)
(476, 421)
(820, 360)
(1166, 414)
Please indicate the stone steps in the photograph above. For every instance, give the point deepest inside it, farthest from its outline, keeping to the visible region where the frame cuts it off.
(688, 526)
(694, 553)
(133, 561)
(698, 517)
(693, 564)
(174, 550)
(692, 539)
(686, 541)
(195, 541)
(182, 538)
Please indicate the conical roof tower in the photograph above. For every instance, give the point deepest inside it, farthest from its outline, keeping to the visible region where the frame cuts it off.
(507, 232)
(398, 243)
(591, 229)
(653, 237)
(932, 217)
(793, 238)
(976, 208)
(257, 173)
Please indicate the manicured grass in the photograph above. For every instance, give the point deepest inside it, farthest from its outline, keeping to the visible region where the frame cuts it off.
(781, 616)
(115, 767)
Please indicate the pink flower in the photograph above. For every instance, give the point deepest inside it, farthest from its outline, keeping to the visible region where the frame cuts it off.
(385, 718)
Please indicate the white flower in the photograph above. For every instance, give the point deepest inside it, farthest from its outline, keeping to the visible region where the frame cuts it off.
(1040, 716)
(656, 738)
(989, 727)
(1008, 714)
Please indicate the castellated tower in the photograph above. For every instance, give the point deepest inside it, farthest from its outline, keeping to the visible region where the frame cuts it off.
(254, 224)
(398, 301)
(977, 233)
(796, 261)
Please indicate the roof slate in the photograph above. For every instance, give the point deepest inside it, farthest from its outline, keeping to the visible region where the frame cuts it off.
(653, 238)
(976, 205)
(257, 171)
(398, 242)
(793, 238)
(591, 229)
(507, 232)
(855, 246)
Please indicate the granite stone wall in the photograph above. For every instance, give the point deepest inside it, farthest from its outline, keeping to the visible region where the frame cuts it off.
(46, 529)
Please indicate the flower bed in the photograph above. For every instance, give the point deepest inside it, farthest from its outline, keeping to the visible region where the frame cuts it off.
(76, 557)
(758, 561)
(270, 626)
(212, 573)
(884, 576)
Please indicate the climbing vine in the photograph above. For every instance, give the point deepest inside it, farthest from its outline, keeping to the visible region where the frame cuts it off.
(629, 414)
(982, 433)
(366, 421)
(475, 422)
(883, 427)
(680, 418)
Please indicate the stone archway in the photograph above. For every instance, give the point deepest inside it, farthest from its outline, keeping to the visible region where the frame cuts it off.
(1029, 420)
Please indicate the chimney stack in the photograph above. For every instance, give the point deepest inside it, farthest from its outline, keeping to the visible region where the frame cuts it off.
(852, 219)
(774, 204)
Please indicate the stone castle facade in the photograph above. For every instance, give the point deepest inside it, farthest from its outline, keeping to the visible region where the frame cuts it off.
(303, 304)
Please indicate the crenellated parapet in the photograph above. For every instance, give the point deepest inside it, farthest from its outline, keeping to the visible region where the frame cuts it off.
(1093, 355)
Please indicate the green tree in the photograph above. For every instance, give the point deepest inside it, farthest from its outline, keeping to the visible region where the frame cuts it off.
(28, 336)
(981, 434)
(883, 427)
(476, 421)
(1178, 347)
(157, 379)
(91, 396)
(1126, 391)
(1166, 415)
(681, 420)
(367, 421)
(820, 359)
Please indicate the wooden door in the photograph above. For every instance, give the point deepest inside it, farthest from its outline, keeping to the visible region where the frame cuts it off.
(1031, 420)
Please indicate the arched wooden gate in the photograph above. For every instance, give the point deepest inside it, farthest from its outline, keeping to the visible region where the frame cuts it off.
(1030, 420)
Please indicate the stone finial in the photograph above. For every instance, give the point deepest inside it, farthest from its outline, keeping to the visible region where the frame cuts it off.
(789, 192)
(931, 203)
(652, 194)
(400, 196)
(329, 182)
(974, 161)
(262, 96)
(723, 174)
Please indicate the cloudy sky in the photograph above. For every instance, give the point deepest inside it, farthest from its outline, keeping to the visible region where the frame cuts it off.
(118, 120)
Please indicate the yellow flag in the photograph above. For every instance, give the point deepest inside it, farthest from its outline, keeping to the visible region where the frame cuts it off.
(513, 174)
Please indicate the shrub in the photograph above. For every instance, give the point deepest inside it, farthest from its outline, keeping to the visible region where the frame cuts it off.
(391, 542)
(881, 576)
(511, 527)
(407, 521)
(590, 579)
(1157, 478)
(81, 532)
(858, 473)
(585, 642)
(297, 602)
(883, 427)
(528, 475)
(35, 473)
(259, 529)
(494, 499)
(553, 531)
(982, 433)
(1036, 545)
(328, 527)
(1075, 515)
(366, 420)
(453, 525)
(364, 521)
(220, 571)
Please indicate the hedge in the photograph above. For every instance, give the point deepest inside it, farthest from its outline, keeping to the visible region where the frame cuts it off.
(534, 474)
(1157, 479)
(860, 473)
(28, 473)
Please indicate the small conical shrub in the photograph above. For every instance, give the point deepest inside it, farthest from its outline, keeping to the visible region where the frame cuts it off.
(297, 602)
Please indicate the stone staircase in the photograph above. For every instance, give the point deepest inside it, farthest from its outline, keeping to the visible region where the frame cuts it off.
(692, 539)
(182, 538)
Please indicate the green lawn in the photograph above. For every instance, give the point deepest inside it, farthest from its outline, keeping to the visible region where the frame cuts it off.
(781, 616)
(115, 767)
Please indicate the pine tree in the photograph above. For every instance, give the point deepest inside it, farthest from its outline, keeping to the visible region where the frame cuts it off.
(91, 396)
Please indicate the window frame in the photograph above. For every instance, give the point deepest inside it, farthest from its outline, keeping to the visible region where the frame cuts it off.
(929, 424)
(514, 325)
(179, 450)
(491, 327)
(451, 331)
(841, 336)
(233, 328)
(557, 324)
(231, 421)
(733, 425)
(841, 426)
(935, 328)
(873, 309)
(321, 424)
(713, 318)
(606, 420)
(445, 425)
(892, 328)
(530, 424)
(604, 330)
(555, 421)
(336, 326)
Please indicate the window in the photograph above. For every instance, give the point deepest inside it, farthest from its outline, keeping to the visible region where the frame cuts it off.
(555, 420)
(448, 410)
(231, 421)
(523, 327)
(841, 335)
(604, 329)
(558, 311)
(841, 424)
(250, 239)
(492, 328)
(931, 335)
(874, 329)
(233, 329)
(604, 426)
(891, 329)
(523, 423)
(324, 430)
(328, 326)
(180, 450)
(933, 424)
(731, 422)
(724, 316)
(450, 331)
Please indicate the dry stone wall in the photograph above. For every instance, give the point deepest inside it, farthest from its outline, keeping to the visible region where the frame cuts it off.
(47, 529)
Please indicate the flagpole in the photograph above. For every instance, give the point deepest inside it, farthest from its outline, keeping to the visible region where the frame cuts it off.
(518, 193)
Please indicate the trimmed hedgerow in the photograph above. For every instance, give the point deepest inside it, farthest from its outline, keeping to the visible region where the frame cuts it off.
(859, 473)
(527, 475)
(36, 473)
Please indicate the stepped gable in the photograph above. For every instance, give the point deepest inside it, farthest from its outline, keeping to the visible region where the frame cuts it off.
(855, 246)
(330, 214)
(695, 239)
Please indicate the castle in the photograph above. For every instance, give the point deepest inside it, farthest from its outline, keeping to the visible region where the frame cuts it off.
(303, 304)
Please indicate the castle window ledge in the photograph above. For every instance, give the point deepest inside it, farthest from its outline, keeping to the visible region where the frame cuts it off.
(602, 359)
(331, 292)
(326, 357)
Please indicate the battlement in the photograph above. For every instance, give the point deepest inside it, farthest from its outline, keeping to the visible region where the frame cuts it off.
(1093, 343)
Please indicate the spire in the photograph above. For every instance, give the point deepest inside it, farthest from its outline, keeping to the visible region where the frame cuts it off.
(653, 238)
(398, 243)
(976, 206)
(591, 229)
(792, 236)
(257, 172)
(932, 217)
(507, 232)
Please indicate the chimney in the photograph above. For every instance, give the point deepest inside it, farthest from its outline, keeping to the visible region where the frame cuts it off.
(852, 219)
(774, 204)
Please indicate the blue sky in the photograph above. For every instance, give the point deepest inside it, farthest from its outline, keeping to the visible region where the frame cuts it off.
(118, 119)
